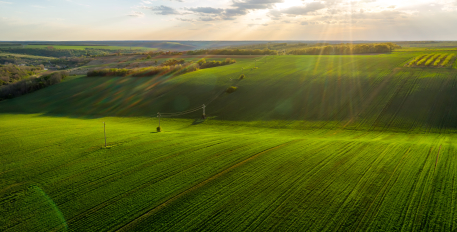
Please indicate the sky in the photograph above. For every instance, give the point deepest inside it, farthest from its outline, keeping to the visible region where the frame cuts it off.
(75, 20)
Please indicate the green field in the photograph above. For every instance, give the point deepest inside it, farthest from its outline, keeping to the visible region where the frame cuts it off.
(83, 47)
(309, 143)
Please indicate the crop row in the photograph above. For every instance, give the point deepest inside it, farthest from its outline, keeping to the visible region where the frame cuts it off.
(448, 58)
(438, 60)
(415, 60)
(429, 61)
(311, 183)
(423, 60)
(435, 59)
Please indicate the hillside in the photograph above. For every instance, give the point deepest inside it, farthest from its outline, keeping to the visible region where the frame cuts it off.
(360, 143)
(372, 92)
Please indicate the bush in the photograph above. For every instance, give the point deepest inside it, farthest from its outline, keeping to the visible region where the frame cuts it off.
(242, 76)
(159, 129)
(231, 89)
(201, 61)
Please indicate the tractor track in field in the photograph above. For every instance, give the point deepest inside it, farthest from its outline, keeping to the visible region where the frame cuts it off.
(131, 225)
(388, 104)
(382, 188)
(372, 96)
(437, 157)
(115, 198)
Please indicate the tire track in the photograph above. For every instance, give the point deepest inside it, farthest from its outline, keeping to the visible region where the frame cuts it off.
(131, 225)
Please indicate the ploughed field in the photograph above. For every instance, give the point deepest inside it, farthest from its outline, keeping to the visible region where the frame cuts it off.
(312, 143)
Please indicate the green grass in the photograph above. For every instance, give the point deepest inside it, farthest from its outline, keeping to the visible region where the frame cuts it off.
(326, 143)
(354, 92)
(55, 173)
(92, 47)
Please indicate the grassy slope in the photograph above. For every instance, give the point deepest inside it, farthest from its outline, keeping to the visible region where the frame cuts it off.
(234, 171)
(361, 92)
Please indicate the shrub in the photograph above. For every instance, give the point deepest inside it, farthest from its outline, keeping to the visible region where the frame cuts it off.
(231, 89)
(242, 76)
(201, 61)
(159, 129)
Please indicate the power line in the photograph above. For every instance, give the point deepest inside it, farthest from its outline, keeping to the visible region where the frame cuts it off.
(203, 106)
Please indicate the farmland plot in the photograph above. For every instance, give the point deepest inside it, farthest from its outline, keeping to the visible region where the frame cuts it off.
(202, 178)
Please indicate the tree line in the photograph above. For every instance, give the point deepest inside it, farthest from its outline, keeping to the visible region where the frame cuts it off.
(31, 84)
(232, 52)
(171, 66)
(346, 49)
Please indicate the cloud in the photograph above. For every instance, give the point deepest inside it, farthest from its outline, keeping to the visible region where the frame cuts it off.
(2, 2)
(206, 10)
(238, 8)
(217, 13)
(207, 19)
(255, 4)
(161, 10)
(136, 14)
(152, 1)
(303, 10)
(185, 20)
(256, 24)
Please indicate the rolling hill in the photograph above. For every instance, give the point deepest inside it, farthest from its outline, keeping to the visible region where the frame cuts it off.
(305, 143)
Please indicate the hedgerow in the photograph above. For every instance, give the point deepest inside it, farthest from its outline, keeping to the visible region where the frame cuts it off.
(170, 66)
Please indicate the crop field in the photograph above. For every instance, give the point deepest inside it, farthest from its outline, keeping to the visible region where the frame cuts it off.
(434, 59)
(82, 47)
(56, 176)
(310, 143)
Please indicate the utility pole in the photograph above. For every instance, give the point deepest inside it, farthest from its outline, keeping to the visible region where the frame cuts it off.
(104, 131)
(158, 115)
(204, 116)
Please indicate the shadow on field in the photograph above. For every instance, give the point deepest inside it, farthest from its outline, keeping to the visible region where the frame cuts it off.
(294, 91)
